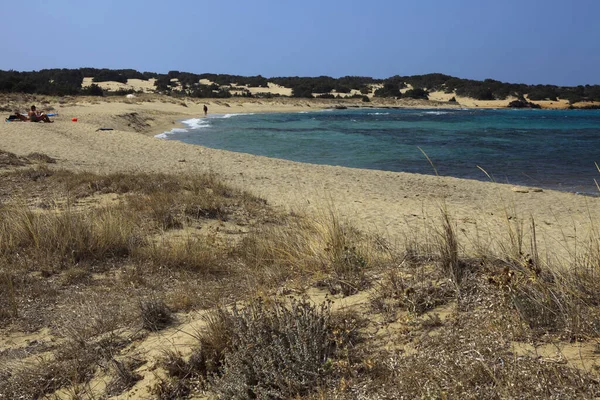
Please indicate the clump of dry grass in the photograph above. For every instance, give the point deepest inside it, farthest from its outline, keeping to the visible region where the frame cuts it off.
(8, 159)
(171, 389)
(417, 290)
(196, 254)
(8, 299)
(66, 238)
(448, 249)
(41, 158)
(123, 377)
(155, 314)
(322, 247)
(71, 364)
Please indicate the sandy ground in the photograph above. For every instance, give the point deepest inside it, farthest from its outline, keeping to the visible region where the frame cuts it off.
(395, 205)
(146, 86)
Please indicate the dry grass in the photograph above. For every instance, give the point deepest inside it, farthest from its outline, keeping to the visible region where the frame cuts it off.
(66, 238)
(92, 272)
(323, 247)
(122, 377)
(155, 314)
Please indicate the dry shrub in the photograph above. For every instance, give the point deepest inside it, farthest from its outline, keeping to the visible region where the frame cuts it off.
(89, 315)
(419, 292)
(465, 362)
(8, 159)
(154, 314)
(123, 377)
(265, 350)
(171, 389)
(71, 364)
(276, 351)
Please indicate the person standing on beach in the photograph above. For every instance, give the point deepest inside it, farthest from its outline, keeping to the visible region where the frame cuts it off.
(36, 116)
(205, 110)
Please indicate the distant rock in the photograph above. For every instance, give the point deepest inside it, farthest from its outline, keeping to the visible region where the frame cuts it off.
(522, 104)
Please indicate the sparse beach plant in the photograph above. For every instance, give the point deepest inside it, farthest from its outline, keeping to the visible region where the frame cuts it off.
(276, 350)
(154, 314)
(122, 379)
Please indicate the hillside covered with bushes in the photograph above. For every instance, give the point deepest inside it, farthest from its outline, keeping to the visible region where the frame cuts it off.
(61, 82)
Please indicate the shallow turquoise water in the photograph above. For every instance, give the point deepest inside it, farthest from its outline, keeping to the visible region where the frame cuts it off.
(546, 148)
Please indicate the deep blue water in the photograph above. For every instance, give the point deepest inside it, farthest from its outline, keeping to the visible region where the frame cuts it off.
(545, 148)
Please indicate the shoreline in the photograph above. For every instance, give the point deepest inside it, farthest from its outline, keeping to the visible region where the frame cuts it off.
(181, 125)
(390, 204)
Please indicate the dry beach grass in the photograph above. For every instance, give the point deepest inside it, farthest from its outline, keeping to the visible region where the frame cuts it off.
(140, 268)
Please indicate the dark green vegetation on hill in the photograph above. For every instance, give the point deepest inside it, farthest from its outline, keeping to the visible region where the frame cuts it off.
(68, 82)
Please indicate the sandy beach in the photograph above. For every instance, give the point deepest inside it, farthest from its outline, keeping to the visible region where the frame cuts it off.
(404, 209)
(394, 205)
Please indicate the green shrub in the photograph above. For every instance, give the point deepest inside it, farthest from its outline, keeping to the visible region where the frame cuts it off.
(417, 94)
(94, 90)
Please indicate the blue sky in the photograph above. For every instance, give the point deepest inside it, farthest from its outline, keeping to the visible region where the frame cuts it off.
(525, 41)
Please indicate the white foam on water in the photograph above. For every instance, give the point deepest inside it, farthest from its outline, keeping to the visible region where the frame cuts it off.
(437, 112)
(379, 113)
(231, 115)
(165, 135)
(193, 123)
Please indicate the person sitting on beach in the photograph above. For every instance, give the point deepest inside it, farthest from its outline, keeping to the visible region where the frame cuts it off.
(20, 116)
(36, 116)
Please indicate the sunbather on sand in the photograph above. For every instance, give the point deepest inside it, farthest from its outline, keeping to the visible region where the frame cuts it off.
(36, 116)
(20, 116)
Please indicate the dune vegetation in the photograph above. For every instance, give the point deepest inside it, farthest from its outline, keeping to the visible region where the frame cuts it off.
(178, 286)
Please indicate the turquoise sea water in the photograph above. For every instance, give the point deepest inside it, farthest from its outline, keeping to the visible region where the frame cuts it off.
(545, 148)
